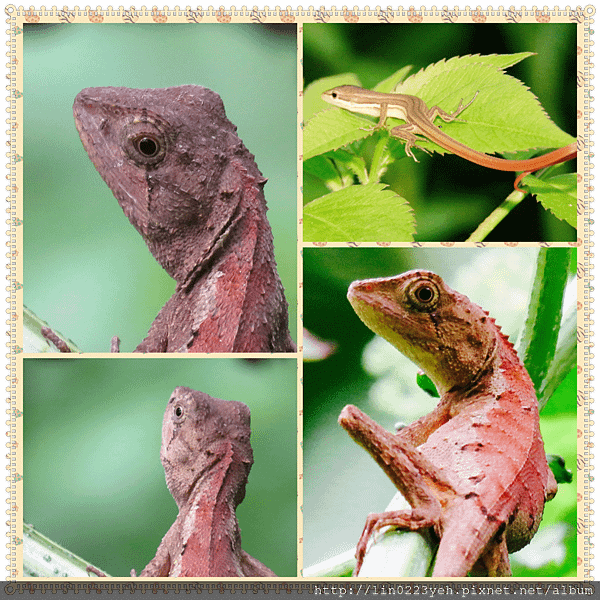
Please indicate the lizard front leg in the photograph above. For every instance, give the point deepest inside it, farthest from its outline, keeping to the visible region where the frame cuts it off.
(383, 115)
(407, 132)
(62, 346)
(419, 481)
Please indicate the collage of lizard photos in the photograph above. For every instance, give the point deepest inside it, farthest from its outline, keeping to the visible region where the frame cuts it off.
(299, 295)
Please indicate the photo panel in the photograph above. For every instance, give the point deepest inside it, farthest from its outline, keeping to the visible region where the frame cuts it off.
(366, 180)
(342, 483)
(90, 275)
(94, 483)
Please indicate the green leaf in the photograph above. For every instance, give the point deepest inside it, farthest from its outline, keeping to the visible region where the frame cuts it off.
(322, 167)
(498, 61)
(331, 129)
(359, 213)
(311, 98)
(557, 194)
(427, 385)
(34, 341)
(504, 117)
(558, 468)
(388, 84)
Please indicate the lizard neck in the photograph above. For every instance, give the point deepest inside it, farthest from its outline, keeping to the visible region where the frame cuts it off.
(502, 372)
(513, 375)
(239, 277)
(211, 541)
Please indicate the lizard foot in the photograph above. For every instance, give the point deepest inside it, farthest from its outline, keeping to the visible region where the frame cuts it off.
(412, 520)
(98, 572)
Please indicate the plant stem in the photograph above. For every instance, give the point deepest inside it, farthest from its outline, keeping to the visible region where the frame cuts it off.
(378, 161)
(537, 345)
(493, 220)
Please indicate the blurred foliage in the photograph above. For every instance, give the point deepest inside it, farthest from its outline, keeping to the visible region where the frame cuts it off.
(87, 272)
(92, 477)
(449, 195)
(342, 484)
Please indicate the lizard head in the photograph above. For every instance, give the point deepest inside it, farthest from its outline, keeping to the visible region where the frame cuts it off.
(200, 432)
(440, 330)
(164, 153)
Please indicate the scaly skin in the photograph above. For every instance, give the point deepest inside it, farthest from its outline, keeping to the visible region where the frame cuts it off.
(474, 469)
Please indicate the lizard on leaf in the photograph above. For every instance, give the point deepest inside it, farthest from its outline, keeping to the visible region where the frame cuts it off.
(474, 469)
(192, 190)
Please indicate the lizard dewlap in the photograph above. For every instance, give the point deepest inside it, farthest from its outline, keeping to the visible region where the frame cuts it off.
(474, 470)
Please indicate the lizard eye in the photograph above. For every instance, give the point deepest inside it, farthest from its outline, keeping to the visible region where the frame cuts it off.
(178, 412)
(424, 293)
(147, 146)
(423, 296)
(145, 142)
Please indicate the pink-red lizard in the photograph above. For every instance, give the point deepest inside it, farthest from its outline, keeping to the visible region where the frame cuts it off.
(474, 469)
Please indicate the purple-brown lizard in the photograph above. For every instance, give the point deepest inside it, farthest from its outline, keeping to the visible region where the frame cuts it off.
(207, 457)
(192, 190)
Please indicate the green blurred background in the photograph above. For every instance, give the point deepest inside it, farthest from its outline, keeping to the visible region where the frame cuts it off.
(87, 272)
(342, 484)
(92, 477)
(449, 195)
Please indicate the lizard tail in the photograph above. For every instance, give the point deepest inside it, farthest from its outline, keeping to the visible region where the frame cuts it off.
(465, 538)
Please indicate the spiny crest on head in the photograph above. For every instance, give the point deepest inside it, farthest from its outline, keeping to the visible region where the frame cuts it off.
(502, 335)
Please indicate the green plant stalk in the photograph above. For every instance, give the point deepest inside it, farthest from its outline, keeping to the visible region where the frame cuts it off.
(357, 167)
(379, 160)
(537, 345)
(495, 218)
(565, 359)
(397, 553)
(341, 565)
(44, 558)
